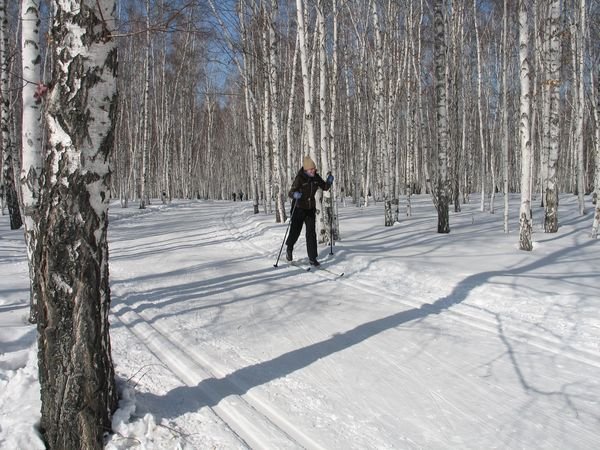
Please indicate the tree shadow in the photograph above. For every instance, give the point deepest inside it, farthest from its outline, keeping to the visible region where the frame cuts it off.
(210, 392)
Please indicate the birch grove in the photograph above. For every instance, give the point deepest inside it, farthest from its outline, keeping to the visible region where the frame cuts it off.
(352, 85)
(221, 101)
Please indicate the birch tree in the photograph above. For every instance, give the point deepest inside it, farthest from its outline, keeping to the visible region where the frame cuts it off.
(525, 222)
(441, 195)
(75, 366)
(333, 84)
(324, 213)
(308, 108)
(553, 100)
(483, 162)
(505, 157)
(596, 110)
(380, 117)
(9, 156)
(144, 190)
(280, 191)
(31, 136)
(579, 136)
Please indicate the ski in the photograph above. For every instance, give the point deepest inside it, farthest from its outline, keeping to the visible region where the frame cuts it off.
(336, 274)
(309, 268)
(299, 266)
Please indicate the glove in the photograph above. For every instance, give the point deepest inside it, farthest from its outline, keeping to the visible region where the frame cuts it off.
(330, 179)
(297, 195)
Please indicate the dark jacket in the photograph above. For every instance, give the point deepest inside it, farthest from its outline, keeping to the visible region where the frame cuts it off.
(308, 186)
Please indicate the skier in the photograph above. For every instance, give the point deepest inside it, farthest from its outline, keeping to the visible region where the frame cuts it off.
(303, 192)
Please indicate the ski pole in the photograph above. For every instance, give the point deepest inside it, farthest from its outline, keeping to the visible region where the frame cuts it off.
(286, 232)
(331, 221)
(331, 228)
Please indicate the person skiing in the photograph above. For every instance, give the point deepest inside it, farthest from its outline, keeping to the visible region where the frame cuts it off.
(302, 193)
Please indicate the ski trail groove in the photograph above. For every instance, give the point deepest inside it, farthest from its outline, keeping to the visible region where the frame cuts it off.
(252, 419)
(510, 331)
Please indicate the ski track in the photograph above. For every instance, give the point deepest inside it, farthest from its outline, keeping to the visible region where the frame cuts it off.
(252, 419)
(513, 332)
(250, 416)
(448, 406)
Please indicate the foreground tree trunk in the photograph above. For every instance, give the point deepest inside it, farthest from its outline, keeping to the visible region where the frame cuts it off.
(75, 367)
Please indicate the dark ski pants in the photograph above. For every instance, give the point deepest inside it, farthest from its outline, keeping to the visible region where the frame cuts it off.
(299, 218)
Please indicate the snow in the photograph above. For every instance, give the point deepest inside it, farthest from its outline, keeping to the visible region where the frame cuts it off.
(428, 341)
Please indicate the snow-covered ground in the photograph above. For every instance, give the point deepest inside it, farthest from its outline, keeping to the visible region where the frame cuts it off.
(428, 341)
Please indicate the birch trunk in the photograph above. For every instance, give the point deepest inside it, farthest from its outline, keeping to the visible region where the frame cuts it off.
(76, 371)
(267, 136)
(308, 113)
(596, 109)
(441, 195)
(290, 118)
(553, 84)
(525, 222)
(581, 32)
(280, 191)
(334, 191)
(144, 194)
(483, 161)
(9, 159)
(410, 122)
(324, 216)
(505, 157)
(380, 118)
(31, 137)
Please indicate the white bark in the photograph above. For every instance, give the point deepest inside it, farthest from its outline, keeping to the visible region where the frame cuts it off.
(441, 195)
(525, 223)
(596, 109)
(334, 192)
(280, 191)
(579, 137)
(144, 192)
(77, 383)
(483, 161)
(380, 118)
(324, 215)
(290, 118)
(31, 135)
(308, 112)
(10, 165)
(553, 84)
(505, 157)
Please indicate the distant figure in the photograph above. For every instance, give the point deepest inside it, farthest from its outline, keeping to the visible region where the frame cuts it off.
(241, 196)
(163, 197)
(233, 196)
